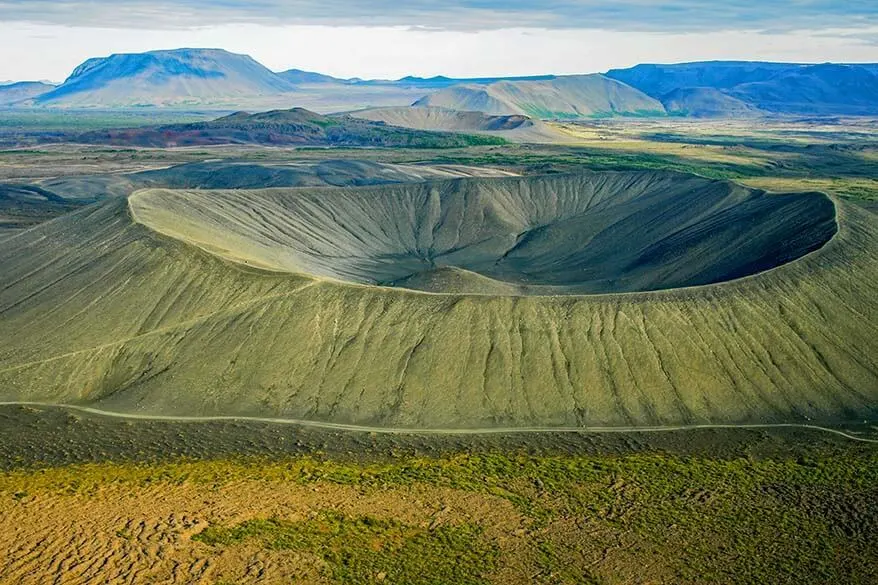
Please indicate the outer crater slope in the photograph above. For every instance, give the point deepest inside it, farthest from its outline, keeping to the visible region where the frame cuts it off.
(98, 309)
(575, 234)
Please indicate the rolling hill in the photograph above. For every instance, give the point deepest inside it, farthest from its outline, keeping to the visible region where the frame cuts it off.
(298, 76)
(23, 90)
(570, 97)
(411, 81)
(236, 174)
(782, 88)
(706, 102)
(166, 78)
(296, 126)
(26, 205)
(138, 306)
(515, 127)
(322, 173)
(327, 94)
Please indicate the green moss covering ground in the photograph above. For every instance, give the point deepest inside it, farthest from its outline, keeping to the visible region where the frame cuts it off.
(358, 549)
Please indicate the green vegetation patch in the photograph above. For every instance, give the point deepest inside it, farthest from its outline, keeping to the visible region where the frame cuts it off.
(367, 550)
(95, 119)
(325, 122)
(577, 158)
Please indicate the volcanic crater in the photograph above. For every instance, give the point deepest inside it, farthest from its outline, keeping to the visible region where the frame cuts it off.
(588, 233)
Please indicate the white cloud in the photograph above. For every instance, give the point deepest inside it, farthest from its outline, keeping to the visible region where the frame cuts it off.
(42, 51)
(640, 15)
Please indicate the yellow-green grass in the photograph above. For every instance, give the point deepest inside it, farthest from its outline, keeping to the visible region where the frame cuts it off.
(631, 143)
(490, 518)
(854, 188)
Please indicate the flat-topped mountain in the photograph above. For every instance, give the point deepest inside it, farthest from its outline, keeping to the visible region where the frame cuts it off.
(175, 77)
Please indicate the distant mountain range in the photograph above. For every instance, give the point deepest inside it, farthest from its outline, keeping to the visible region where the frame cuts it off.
(730, 87)
(298, 76)
(217, 79)
(11, 93)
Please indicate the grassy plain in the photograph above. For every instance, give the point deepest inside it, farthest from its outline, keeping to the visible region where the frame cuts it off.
(777, 506)
(836, 156)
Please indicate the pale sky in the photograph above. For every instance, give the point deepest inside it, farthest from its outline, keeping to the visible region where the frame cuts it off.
(46, 39)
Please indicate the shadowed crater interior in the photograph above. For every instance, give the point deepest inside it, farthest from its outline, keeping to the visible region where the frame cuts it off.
(594, 232)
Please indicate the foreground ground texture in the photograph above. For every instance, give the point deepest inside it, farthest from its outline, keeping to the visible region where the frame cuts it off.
(87, 499)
